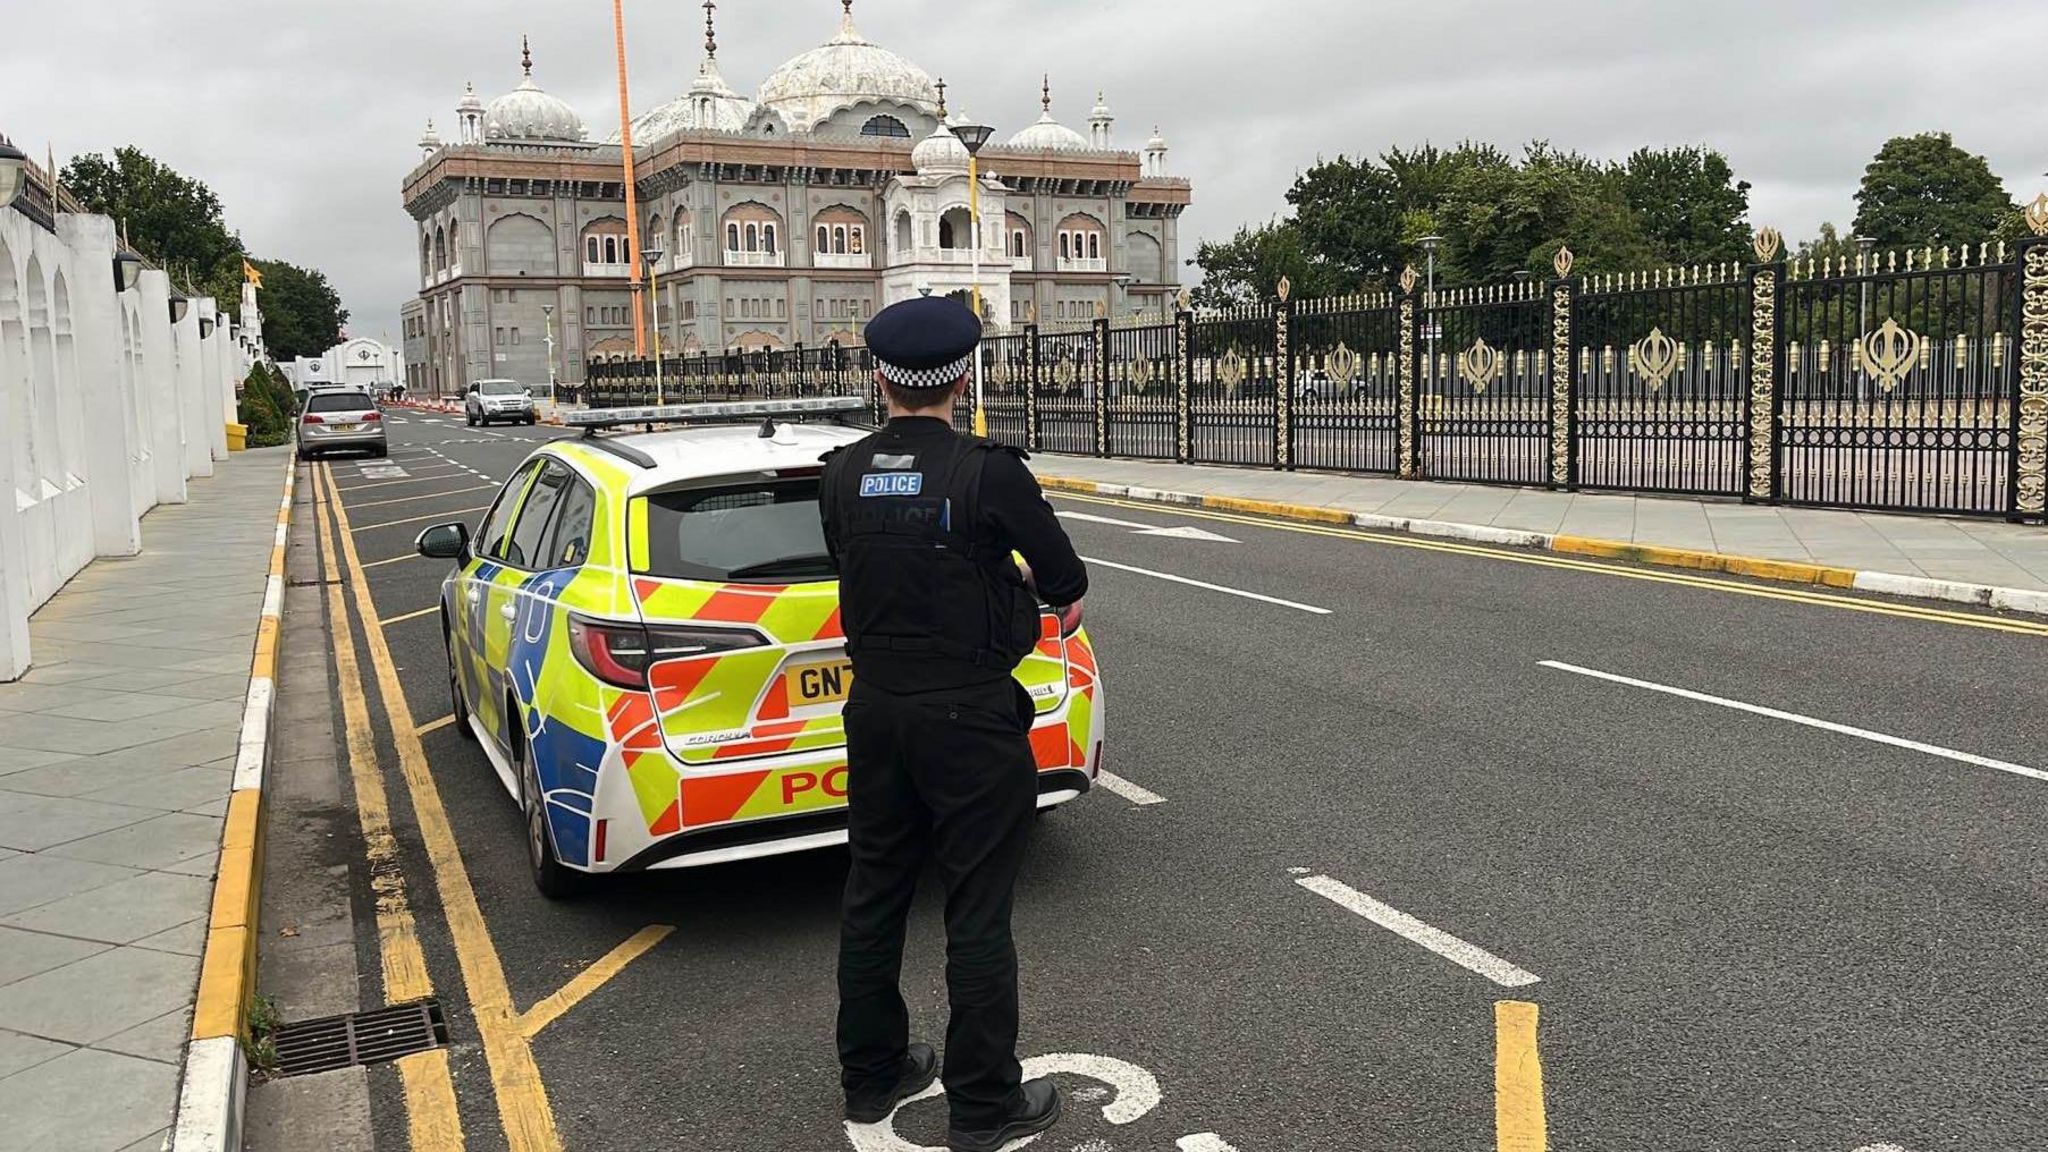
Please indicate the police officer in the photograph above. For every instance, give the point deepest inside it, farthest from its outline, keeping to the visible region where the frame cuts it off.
(923, 522)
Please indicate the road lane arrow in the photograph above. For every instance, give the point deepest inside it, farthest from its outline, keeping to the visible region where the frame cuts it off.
(1186, 532)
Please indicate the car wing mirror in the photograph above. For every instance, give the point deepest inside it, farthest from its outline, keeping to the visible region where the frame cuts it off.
(444, 542)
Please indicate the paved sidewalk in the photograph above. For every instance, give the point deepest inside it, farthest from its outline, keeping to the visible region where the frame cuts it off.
(116, 759)
(1967, 551)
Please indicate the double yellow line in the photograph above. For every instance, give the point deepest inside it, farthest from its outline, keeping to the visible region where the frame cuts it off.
(523, 1108)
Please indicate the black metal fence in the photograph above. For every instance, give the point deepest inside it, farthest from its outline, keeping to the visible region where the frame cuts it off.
(1914, 381)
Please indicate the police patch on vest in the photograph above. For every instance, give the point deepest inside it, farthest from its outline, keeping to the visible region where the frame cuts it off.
(895, 463)
(892, 484)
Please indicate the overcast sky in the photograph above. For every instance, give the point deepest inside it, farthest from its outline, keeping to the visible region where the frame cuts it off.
(302, 114)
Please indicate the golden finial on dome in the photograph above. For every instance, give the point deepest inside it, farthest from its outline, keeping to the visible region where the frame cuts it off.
(1045, 94)
(710, 29)
(525, 55)
(941, 87)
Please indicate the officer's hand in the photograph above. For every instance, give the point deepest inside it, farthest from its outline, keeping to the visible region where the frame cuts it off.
(1070, 618)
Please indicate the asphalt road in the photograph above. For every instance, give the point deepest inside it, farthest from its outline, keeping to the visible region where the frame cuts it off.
(1742, 931)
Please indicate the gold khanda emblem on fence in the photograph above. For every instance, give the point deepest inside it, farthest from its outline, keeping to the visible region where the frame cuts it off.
(2036, 215)
(1889, 353)
(1562, 263)
(1766, 244)
(1141, 374)
(1065, 373)
(1409, 276)
(1230, 369)
(1654, 358)
(1342, 364)
(1285, 288)
(1479, 365)
(1185, 299)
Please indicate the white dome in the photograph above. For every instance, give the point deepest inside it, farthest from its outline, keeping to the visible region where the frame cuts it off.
(471, 102)
(1157, 143)
(528, 115)
(709, 106)
(940, 153)
(1048, 133)
(846, 70)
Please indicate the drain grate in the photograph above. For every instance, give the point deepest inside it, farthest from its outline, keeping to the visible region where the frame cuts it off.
(358, 1038)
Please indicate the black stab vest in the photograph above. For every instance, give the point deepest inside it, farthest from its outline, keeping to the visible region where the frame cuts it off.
(928, 598)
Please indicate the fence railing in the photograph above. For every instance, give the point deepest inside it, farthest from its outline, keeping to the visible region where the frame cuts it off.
(1914, 383)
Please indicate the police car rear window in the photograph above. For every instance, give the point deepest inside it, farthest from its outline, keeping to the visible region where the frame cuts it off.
(764, 532)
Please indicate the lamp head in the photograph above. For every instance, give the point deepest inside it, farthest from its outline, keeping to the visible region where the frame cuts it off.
(13, 172)
(974, 136)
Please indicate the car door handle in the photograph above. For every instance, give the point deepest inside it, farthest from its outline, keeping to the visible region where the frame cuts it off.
(508, 611)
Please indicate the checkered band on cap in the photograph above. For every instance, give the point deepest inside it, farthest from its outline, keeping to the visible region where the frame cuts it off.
(926, 377)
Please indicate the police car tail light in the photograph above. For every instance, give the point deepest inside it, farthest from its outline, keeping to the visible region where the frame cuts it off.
(313, 418)
(371, 417)
(621, 654)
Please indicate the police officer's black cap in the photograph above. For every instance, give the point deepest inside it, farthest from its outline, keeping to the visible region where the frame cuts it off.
(926, 342)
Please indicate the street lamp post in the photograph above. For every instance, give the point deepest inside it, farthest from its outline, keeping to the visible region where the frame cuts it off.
(547, 312)
(13, 172)
(1429, 246)
(1865, 245)
(974, 136)
(653, 256)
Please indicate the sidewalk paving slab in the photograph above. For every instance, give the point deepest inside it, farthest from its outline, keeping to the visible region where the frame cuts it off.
(1984, 552)
(116, 758)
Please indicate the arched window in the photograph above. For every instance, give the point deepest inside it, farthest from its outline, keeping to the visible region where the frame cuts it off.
(441, 248)
(732, 237)
(903, 237)
(768, 239)
(611, 250)
(885, 126)
(1066, 245)
(1019, 247)
(753, 237)
(859, 236)
(824, 238)
(1095, 245)
(839, 240)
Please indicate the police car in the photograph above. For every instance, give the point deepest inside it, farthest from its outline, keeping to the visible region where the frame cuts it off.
(643, 636)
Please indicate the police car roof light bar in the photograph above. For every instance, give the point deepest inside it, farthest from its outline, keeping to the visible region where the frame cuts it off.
(594, 420)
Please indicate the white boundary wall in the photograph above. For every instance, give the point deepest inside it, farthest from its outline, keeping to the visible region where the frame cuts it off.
(106, 409)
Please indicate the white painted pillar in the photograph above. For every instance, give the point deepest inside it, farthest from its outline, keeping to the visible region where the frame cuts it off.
(195, 396)
(160, 377)
(96, 323)
(14, 656)
(211, 369)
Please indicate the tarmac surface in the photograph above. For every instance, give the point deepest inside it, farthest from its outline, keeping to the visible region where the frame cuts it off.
(1769, 863)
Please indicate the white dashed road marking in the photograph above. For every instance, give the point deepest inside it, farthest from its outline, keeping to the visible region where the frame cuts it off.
(1470, 957)
(1128, 790)
(1806, 721)
(1259, 596)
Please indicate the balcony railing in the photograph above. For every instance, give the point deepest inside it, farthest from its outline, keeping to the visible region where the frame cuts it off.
(621, 271)
(1083, 264)
(844, 260)
(738, 259)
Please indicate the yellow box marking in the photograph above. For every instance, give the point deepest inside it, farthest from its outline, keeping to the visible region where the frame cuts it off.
(592, 978)
(1518, 1119)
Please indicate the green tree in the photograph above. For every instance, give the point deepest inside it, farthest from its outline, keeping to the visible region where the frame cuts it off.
(1348, 217)
(1921, 190)
(1246, 269)
(172, 219)
(302, 314)
(1691, 208)
(258, 411)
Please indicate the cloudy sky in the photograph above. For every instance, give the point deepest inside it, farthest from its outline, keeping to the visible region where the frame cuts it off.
(302, 113)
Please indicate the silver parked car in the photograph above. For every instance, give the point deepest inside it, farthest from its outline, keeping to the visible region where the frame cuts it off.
(490, 400)
(341, 418)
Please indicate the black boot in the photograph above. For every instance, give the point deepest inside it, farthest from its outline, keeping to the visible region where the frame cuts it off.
(920, 1068)
(1036, 1108)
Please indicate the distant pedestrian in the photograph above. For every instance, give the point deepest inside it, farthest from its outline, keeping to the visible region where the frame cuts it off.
(922, 522)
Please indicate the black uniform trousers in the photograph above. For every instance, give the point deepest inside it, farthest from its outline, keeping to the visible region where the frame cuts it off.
(946, 775)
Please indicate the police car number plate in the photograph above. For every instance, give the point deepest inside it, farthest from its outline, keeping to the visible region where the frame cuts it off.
(820, 683)
(348, 427)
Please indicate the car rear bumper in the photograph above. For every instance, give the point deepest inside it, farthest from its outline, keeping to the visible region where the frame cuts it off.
(321, 441)
(777, 835)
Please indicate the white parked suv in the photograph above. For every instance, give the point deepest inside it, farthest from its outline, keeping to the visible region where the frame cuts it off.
(506, 400)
